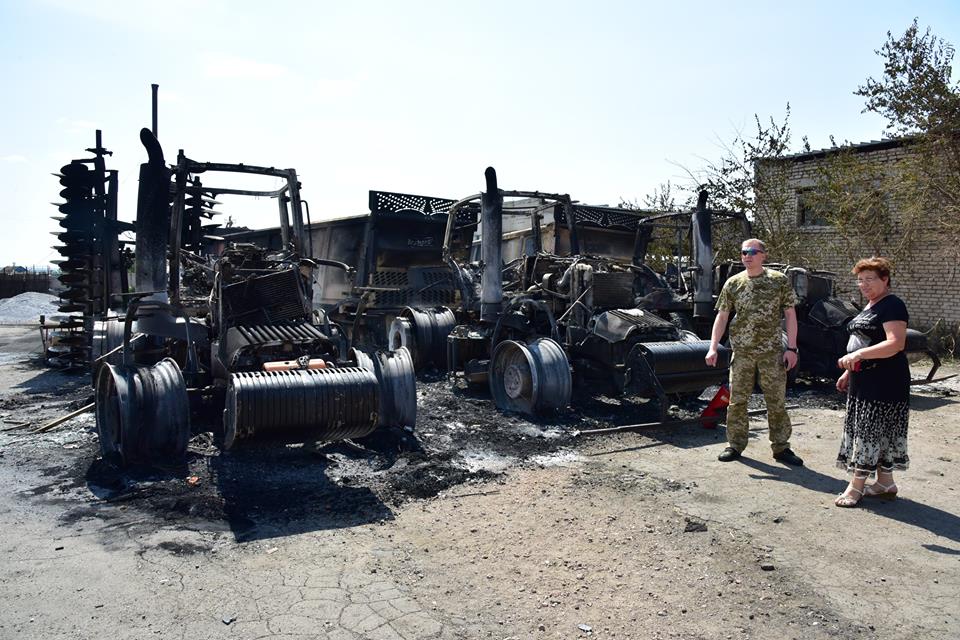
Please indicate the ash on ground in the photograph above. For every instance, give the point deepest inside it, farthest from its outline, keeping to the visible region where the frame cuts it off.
(267, 489)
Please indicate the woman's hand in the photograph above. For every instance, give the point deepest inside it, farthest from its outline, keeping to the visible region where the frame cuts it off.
(843, 382)
(849, 361)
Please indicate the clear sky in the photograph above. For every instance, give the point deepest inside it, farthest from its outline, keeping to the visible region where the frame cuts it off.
(601, 100)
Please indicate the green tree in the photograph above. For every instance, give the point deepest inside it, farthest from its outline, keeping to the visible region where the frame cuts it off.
(915, 93)
(752, 176)
(919, 101)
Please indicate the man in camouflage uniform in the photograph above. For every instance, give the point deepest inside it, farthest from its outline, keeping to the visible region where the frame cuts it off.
(760, 297)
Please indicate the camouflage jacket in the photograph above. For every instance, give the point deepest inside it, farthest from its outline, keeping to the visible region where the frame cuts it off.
(759, 304)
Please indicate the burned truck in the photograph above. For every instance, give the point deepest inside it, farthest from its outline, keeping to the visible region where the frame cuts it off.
(230, 343)
(525, 324)
(400, 272)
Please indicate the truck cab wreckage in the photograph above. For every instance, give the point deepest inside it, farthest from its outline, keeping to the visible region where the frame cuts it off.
(524, 327)
(231, 340)
(400, 271)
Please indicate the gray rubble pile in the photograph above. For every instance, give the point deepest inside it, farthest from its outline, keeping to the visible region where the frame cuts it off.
(26, 308)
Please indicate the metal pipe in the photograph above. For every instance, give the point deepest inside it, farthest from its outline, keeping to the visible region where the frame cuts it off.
(176, 223)
(688, 422)
(153, 218)
(153, 90)
(295, 210)
(284, 221)
(309, 230)
(702, 241)
(491, 232)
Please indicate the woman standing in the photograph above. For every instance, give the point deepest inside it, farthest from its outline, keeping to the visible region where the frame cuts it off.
(877, 380)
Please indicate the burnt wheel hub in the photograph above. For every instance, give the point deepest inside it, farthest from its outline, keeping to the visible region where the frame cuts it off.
(516, 380)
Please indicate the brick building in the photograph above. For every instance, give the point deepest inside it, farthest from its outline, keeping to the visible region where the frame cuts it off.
(927, 278)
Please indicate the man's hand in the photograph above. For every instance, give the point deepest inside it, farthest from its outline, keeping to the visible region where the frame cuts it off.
(711, 358)
(789, 359)
(719, 326)
(843, 382)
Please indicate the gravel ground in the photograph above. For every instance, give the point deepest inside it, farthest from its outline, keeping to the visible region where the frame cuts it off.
(479, 525)
(26, 308)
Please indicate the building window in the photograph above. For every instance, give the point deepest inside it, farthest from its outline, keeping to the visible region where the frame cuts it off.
(810, 212)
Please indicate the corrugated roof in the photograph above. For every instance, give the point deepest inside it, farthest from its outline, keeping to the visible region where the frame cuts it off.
(859, 147)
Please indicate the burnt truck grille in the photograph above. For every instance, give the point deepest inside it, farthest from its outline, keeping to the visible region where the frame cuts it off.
(387, 203)
(389, 279)
(605, 217)
(263, 334)
(415, 287)
(265, 299)
(613, 290)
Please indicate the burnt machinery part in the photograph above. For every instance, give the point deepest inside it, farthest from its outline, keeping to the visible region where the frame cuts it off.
(107, 336)
(143, 413)
(398, 384)
(92, 272)
(678, 367)
(319, 404)
(424, 333)
(78, 245)
(530, 378)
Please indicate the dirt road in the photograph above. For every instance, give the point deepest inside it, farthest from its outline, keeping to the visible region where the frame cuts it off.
(477, 526)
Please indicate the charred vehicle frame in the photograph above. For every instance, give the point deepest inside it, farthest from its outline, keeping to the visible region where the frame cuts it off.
(232, 336)
(401, 277)
(523, 324)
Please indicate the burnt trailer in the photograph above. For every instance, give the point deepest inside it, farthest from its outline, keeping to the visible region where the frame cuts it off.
(230, 342)
(402, 282)
(528, 327)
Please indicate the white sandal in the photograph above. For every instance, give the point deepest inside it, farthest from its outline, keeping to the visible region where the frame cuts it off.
(882, 491)
(848, 502)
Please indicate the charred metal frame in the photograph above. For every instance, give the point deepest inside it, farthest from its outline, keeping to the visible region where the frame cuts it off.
(400, 264)
(252, 349)
(503, 340)
(821, 345)
(287, 194)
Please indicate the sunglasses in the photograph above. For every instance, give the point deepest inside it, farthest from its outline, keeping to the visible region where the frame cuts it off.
(750, 252)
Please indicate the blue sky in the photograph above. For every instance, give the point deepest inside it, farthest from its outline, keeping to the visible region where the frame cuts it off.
(602, 100)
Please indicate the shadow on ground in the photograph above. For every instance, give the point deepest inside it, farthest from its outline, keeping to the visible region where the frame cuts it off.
(801, 476)
(53, 381)
(936, 521)
(928, 403)
(266, 491)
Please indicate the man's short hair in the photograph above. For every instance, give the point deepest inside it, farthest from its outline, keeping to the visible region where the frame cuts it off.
(758, 241)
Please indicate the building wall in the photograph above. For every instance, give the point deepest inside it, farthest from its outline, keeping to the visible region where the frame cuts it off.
(929, 282)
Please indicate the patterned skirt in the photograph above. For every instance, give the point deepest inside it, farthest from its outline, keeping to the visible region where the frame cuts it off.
(874, 435)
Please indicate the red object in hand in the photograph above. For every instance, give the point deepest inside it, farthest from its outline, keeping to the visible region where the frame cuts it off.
(710, 415)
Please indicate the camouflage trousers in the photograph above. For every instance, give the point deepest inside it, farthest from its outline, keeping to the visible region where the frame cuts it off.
(773, 381)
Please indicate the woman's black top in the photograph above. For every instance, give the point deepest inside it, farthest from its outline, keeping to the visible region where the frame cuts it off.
(883, 379)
